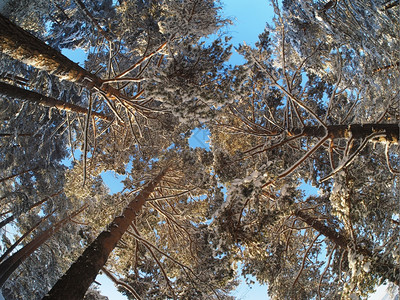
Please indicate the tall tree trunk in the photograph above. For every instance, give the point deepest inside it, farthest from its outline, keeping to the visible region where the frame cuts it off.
(25, 47)
(8, 266)
(12, 217)
(18, 174)
(22, 94)
(357, 131)
(21, 238)
(380, 265)
(75, 282)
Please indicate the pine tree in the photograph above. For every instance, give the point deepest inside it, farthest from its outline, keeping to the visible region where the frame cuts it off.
(306, 78)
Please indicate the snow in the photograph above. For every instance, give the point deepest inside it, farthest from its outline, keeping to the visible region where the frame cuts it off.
(382, 293)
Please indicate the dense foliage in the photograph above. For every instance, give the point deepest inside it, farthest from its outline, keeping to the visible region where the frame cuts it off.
(315, 104)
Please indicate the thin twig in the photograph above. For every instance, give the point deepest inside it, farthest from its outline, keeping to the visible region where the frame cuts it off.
(353, 156)
(121, 283)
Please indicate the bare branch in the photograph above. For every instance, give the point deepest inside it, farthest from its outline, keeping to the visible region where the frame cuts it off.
(121, 283)
(304, 259)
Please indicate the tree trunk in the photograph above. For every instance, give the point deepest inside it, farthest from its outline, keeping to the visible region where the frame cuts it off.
(8, 266)
(22, 94)
(15, 175)
(381, 266)
(356, 131)
(21, 238)
(25, 47)
(75, 282)
(12, 217)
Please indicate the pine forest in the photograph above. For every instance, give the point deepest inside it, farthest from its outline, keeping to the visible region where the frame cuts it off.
(315, 105)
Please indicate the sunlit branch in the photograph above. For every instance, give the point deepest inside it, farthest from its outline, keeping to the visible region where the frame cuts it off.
(293, 138)
(251, 125)
(391, 102)
(121, 283)
(353, 156)
(330, 153)
(144, 58)
(71, 146)
(105, 34)
(111, 106)
(349, 146)
(147, 245)
(387, 67)
(171, 196)
(332, 98)
(350, 110)
(299, 162)
(304, 259)
(300, 67)
(298, 102)
(124, 79)
(325, 270)
(85, 141)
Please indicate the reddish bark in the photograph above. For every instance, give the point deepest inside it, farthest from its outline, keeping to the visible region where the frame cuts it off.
(12, 217)
(93, 20)
(25, 47)
(75, 282)
(22, 94)
(8, 266)
(381, 266)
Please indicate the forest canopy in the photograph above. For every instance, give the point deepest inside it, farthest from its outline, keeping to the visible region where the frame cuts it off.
(316, 103)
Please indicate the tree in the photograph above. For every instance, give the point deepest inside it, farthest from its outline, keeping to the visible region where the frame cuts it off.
(75, 283)
(315, 102)
(13, 262)
(143, 126)
(303, 81)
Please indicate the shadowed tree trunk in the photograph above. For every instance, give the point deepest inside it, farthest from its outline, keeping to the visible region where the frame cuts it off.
(12, 217)
(76, 281)
(8, 266)
(22, 94)
(385, 268)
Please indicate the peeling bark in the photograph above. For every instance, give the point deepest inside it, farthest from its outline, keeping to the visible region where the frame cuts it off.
(356, 131)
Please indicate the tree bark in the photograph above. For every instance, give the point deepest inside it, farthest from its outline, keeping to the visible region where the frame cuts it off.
(8, 266)
(22, 94)
(21, 238)
(25, 47)
(380, 265)
(356, 131)
(21, 173)
(75, 282)
(12, 217)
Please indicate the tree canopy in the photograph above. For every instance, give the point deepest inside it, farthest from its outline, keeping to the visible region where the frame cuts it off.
(316, 103)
